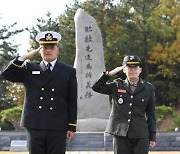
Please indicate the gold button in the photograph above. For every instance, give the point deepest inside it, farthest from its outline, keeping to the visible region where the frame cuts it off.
(52, 99)
(52, 89)
(40, 107)
(41, 98)
(51, 108)
(131, 96)
(42, 89)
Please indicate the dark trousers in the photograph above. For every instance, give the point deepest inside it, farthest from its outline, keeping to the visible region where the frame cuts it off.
(124, 145)
(46, 141)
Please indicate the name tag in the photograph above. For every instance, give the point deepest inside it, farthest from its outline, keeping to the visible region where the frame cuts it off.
(121, 91)
(36, 72)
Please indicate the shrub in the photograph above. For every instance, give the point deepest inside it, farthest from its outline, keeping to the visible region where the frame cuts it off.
(4, 126)
(12, 115)
(163, 112)
(177, 121)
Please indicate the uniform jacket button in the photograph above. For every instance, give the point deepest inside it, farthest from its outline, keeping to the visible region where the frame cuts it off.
(40, 107)
(51, 108)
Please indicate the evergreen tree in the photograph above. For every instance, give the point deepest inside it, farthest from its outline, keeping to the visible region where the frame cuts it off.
(7, 52)
(129, 27)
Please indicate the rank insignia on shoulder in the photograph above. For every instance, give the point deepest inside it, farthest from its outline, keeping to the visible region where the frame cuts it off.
(121, 91)
(120, 100)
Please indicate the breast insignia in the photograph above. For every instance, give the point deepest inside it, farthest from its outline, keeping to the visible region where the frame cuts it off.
(120, 100)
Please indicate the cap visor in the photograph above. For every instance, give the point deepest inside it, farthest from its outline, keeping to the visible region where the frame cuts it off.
(48, 42)
(133, 63)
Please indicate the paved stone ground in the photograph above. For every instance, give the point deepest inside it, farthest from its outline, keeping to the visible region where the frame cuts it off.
(96, 152)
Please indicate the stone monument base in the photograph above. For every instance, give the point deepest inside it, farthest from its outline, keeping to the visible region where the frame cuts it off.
(91, 125)
(18, 146)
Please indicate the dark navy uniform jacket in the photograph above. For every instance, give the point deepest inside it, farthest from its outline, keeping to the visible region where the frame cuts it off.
(133, 113)
(50, 102)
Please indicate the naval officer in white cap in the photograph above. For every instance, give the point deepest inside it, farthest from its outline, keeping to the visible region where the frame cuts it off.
(50, 105)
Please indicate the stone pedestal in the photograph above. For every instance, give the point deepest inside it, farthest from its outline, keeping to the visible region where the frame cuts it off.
(18, 146)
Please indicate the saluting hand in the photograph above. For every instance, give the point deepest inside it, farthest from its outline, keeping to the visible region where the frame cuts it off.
(116, 70)
(30, 54)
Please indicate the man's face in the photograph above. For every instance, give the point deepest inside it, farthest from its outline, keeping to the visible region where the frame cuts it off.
(49, 52)
(132, 71)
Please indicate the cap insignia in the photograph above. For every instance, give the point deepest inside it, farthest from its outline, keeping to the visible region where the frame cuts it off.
(48, 37)
(131, 57)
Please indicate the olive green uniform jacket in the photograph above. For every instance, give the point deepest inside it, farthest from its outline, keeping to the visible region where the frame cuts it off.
(133, 113)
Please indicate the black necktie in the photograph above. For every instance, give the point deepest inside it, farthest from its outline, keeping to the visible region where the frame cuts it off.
(48, 68)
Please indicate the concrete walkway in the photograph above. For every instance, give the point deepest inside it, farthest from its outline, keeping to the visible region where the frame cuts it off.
(95, 152)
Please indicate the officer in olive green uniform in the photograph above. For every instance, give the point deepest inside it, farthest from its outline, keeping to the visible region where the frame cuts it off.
(132, 119)
(50, 105)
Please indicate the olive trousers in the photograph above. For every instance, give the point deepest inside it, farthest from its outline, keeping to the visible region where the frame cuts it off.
(125, 145)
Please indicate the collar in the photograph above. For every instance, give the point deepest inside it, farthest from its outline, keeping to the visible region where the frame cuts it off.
(134, 83)
(52, 62)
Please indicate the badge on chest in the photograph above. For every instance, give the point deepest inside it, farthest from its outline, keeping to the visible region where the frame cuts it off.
(120, 100)
(123, 91)
(36, 72)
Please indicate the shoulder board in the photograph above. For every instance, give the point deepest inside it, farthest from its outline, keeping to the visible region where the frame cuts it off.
(149, 84)
(118, 79)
